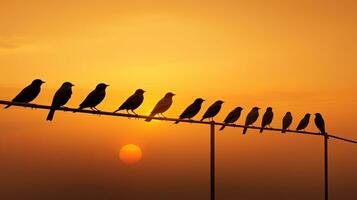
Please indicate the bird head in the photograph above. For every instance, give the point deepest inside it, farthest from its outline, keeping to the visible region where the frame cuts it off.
(199, 100)
(140, 91)
(101, 86)
(37, 82)
(256, 108)
(170, 94)
(220, 102)
(307, 115)
(288, 113)
(269, 109)
(318, 115)
(67, 84)
(239, 108)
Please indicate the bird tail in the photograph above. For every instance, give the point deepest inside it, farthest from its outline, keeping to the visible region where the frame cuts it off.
(223, 126)
(7, 106)
(150, 117)
(245, 130)
(283, 131)
(50, 115)
(261, 130)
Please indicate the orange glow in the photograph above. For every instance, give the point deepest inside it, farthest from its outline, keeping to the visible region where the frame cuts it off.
(130, 154)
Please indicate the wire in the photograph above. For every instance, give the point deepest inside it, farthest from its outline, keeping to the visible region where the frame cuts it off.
(75, 110)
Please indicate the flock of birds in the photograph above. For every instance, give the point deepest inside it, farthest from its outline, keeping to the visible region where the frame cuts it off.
(64, 93)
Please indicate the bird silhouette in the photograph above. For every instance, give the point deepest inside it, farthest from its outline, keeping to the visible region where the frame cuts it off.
(29, 93)
(192, 110)
(287, 120)
(213, 110)
(251, 118)
(320, 123)
(232, 117)
(60, 98)
(133, 102)
(267, 118)
(162, 106)
(304, 122)
(94, 98)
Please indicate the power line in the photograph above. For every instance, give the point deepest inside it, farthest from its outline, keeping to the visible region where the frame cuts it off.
(75, 110)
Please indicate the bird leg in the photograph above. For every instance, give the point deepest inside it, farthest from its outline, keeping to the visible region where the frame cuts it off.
(163, 115)
(135, 114)
(127, 111)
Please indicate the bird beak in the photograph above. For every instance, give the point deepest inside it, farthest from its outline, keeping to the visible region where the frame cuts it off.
(72, 84)
(43, 81)
(144, 91)
(106, 85)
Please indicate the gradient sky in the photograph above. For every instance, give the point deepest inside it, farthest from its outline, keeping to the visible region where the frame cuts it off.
(297, 56)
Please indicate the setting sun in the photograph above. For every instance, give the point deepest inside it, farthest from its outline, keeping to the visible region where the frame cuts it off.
(130, 154)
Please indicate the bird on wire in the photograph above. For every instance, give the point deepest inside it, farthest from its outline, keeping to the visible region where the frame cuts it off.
(232, 117)
(251, 118)
(304, 122)
(162, 106)
(213, 110)
(287, 120)
(267, 118)
(60, 98)
(133, 102)
(192, 110)
(320, 123)
(94, 98)
(29, 93)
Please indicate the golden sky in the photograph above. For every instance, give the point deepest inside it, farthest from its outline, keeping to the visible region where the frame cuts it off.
(297, 56)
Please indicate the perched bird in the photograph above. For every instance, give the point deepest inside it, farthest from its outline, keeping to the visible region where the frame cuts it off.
(94, 98)
(133, 102)
(191, 110)
(213, 110)
(232, 117)
(320, 123)
(29, 93)
(267, 118)
(287, 120)
(304, 122)
(61, 97)
(162, 106)
(251, 118)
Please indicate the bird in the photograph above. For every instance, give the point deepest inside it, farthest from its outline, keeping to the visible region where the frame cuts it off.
(304, 122)
(320, 123)
(133, 102)
(213, 110)
(60, 98)
(192, 110)
(29, 93)
(94, 98)
(267, 118)
(232, 117)
(162, 106)
(251, 118)
(287, 120)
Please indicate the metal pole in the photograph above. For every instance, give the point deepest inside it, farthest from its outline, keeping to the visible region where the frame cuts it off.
(213, 192)
(326, 165)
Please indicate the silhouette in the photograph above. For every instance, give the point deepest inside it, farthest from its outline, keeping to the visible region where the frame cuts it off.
(133, 102)
(232, 117)
(287, 120)
(251, 118)
(320, 123)
(213, 110)
(29, 93)
(304, 122)
(267, 118)
(94, 98)
(60, 98)
(192, 110)
(162, 106)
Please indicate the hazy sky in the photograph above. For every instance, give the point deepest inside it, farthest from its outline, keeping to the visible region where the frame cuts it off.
(297, 56)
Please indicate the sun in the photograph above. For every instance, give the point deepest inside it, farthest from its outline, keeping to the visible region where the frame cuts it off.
(130, 154)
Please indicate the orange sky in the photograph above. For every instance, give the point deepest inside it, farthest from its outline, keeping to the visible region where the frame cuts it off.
(297, 56)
